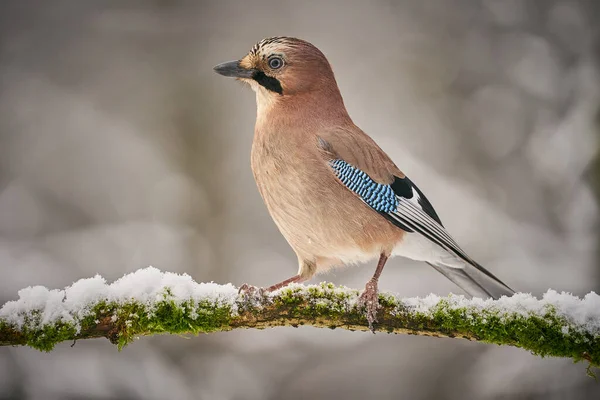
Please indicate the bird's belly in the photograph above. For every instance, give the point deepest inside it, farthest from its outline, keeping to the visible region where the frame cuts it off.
(324, 221)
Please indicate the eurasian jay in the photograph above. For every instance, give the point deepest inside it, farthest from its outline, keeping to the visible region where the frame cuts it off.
(335, 196)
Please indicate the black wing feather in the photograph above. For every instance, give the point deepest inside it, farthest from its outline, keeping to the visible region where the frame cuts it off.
(403, 187)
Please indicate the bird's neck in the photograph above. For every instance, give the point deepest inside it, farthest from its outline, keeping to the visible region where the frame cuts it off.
(309, 110)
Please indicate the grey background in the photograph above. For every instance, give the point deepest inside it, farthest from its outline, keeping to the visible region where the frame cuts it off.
(120, 148)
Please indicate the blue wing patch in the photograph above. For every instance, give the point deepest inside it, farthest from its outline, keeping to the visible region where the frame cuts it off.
(378, 196)
(405, 206)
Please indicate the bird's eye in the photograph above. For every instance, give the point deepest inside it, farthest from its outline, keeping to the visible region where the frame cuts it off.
(275, 63)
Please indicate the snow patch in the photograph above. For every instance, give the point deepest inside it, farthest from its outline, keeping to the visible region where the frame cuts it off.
(145, 286)
(581, 314)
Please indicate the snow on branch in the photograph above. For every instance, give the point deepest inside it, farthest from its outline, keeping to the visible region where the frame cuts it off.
(150, 302)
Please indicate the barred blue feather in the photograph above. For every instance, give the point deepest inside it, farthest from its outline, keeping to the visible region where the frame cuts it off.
(378, 196)
(403, 204)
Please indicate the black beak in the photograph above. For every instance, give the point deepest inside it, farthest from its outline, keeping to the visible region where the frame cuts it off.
(233, 69)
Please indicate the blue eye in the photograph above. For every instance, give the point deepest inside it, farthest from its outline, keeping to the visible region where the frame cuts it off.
(275, 63)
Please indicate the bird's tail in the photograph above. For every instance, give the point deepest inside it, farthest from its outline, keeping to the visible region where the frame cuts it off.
(475, 280)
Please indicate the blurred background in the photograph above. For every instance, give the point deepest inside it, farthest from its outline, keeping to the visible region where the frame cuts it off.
(120, 148)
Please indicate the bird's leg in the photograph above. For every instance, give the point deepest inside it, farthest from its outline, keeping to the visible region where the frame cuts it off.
(306, 270)
(370, 296)
(293, 279)
(252, 294)
(249, 289)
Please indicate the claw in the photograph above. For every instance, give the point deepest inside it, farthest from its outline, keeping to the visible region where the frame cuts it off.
(246, 289)
(251, 294)
(370, 300)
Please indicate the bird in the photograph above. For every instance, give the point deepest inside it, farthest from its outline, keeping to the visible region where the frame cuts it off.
(334, 194)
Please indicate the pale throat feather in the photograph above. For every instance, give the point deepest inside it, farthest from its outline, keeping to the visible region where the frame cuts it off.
(264, 98)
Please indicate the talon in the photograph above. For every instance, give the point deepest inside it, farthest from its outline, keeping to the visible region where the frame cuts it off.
(247, 289)
(250, 294)
(370, 300)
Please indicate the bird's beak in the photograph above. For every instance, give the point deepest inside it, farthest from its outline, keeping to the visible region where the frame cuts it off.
(234, 70)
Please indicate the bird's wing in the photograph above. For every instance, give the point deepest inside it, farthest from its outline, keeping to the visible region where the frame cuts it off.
(404, 205)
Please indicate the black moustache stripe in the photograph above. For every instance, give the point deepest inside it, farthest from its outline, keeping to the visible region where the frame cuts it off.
(268, 82)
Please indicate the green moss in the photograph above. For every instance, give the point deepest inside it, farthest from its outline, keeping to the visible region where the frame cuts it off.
(542, 335)
(322, 305)
(44, 338)
(169, 316)
(123, 322)
(320, 302)
(388, 301)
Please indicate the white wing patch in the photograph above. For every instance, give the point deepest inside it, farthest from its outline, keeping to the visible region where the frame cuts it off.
(415, 197)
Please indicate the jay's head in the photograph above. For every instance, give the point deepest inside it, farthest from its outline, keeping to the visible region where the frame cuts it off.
(282, 66)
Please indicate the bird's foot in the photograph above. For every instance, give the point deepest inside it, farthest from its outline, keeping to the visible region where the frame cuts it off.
(370, 300)
(251, 294)
(248, 289)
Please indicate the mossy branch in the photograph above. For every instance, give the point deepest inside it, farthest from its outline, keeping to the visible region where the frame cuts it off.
(151, 302)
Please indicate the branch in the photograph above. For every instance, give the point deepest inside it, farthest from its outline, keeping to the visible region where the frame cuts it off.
(151, 302)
